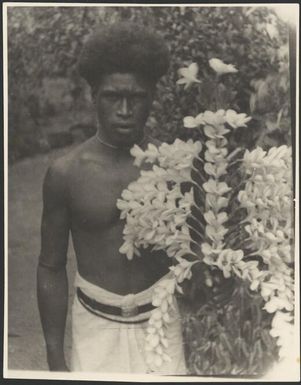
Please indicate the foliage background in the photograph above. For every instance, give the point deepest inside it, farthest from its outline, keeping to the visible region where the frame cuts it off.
(46, 95)
(49, 106)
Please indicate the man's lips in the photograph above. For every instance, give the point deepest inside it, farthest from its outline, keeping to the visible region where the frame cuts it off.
(124, 127)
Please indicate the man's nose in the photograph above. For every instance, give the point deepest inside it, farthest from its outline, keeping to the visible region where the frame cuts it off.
(125, 109)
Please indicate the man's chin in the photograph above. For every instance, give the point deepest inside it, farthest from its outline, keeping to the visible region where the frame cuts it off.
(128, 140)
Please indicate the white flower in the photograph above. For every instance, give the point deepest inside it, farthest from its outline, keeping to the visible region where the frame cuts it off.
(277, 303)
(254, 159)
(215, 220)
(280, 319)
(215, 151)
(227, 259)
(214, 187)
(151, 153)
(191, 122)
(216, 234)
(214, 118)
(216, 170)
(138, 154)
(189, 75)
(128, 249)
(220, 67)
(210, 253)
(216, 202)
(236, 120)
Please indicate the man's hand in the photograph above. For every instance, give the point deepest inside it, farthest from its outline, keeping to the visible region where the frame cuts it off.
(222, 289)
(211, 287)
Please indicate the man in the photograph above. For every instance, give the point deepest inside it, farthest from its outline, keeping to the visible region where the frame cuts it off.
(122, 65)
(112, 304)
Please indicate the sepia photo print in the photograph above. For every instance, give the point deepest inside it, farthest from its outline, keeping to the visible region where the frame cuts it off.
(151, 191)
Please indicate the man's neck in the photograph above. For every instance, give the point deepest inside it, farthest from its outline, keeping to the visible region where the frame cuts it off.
(122, 147)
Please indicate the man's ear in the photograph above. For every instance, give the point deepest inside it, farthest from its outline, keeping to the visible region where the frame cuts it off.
(152, 94)
(93, 94)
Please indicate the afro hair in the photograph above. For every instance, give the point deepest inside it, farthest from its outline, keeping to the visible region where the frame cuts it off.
(123, 47)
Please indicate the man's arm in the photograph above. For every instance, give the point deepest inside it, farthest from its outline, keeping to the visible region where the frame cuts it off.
(52, 283)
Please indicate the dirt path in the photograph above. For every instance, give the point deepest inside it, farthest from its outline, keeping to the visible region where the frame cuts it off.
(26, 348)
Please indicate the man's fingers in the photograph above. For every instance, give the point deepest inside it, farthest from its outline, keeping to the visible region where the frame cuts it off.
(208, 279)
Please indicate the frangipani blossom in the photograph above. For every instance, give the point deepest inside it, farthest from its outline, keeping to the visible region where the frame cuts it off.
(236, 120)
(189, 75)
(220, 67)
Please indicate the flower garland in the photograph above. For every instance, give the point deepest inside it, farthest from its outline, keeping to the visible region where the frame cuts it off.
(256, 248)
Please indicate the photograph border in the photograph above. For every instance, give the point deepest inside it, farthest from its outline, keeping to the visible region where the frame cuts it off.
(292, 372)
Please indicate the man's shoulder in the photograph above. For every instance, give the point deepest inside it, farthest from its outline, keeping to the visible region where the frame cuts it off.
(62, 169)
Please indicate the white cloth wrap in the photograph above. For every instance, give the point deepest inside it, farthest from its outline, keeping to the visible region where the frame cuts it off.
(101, 345)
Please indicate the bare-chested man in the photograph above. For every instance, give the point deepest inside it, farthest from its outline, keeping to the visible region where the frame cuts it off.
(113, 300)
(81, 190)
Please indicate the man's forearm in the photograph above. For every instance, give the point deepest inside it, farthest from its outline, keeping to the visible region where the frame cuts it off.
(52, 290)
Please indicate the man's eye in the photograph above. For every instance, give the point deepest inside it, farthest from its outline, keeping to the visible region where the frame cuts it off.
(139, 97)
(110, 96)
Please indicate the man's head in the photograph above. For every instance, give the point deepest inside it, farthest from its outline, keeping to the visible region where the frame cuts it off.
(122, 63)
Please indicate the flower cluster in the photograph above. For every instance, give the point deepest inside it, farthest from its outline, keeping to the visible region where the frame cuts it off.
(218, 193)
(153, 206)
(267, 196)
(216, 190)
(158, 214)
(214, 122)
(156, 342)
(283, 330)
(175, 159)
(164, 300)
(268, 199)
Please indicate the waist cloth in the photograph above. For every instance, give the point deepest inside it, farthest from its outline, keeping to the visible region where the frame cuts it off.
(110, 343)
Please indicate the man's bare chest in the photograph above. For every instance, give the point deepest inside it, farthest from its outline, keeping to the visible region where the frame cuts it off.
(94, 190)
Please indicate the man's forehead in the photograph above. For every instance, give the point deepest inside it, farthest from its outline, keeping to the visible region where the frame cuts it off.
(122, 81)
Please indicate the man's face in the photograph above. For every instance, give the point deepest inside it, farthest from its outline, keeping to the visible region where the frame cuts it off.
(123, 102)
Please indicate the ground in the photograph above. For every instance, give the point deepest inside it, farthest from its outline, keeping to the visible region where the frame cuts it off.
(26, 349)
